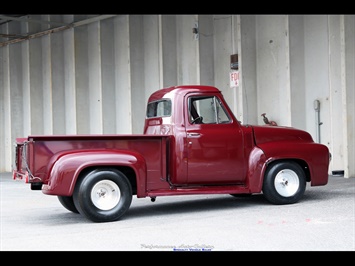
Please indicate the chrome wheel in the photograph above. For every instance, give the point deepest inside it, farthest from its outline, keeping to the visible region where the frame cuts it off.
(105, 195)
(286, 183)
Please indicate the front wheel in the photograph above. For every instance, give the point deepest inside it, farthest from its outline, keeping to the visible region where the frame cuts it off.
(284, 183)
(103, 195)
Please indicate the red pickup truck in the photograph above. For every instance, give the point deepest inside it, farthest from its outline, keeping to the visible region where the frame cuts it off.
(191, 144)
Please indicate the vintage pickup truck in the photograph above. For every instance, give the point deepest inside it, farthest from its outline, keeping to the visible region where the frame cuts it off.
(191, 144)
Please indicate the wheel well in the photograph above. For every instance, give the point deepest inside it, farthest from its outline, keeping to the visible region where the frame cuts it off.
(300, 162)
(127, 171)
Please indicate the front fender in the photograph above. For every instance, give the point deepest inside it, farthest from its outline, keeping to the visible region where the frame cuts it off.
(314, 155)
(66, 169)
(256, 169)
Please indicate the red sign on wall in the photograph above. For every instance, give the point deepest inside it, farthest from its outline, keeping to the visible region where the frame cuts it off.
(234, 78)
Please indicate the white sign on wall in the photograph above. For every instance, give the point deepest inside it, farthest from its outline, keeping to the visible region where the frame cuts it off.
(234, 78)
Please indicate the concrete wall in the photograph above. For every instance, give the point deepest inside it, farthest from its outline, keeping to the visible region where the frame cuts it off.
(348, 95)
(96, 77)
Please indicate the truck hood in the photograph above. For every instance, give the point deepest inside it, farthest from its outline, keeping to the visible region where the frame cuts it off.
(264, 134)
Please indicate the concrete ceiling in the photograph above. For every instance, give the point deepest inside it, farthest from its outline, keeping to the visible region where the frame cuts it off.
(7, 37)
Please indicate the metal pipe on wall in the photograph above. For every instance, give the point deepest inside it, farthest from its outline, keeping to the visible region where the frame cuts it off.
(316, 105)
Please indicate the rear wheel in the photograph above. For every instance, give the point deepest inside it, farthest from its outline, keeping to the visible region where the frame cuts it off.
(68, 203)
(103, 195)
(284, 183)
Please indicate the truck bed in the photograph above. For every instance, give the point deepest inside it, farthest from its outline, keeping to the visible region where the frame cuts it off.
(42, 151)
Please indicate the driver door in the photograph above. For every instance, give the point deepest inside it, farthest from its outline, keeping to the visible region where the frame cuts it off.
(214, 142)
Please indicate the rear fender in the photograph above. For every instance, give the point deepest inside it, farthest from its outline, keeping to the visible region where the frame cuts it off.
(67, 168)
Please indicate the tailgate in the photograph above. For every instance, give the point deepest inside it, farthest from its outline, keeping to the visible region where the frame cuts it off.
(21, 170)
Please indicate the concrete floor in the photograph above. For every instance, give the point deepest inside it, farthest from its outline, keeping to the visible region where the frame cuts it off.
(324, 220)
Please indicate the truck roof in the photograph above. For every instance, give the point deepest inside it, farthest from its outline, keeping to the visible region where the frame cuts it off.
(166, 92)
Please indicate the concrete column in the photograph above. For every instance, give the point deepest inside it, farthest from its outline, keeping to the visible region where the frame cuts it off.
(107, 43)
(57, 63)
(123, 87)
(95, 81)
(187, 47)
(82, 79)
(23, 60)
(6, 146)
(136, 51)
(152, 60)
(273, 83)
(349, 95)
(47, 89)
(247, 75)
(69, 78)
(336, 92)
(36, 81)
(204, 38)
(169, 50)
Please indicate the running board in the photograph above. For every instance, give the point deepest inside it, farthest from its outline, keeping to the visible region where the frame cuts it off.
(200, 190)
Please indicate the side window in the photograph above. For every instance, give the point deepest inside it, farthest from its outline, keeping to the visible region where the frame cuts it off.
(207, 110)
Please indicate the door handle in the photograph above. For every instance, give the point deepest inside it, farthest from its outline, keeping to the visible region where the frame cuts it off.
(193, 134)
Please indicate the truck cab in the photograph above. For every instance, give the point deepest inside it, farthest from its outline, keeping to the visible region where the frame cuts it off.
(209, 142)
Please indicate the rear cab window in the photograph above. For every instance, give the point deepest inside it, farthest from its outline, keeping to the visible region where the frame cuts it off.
(161, 108)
